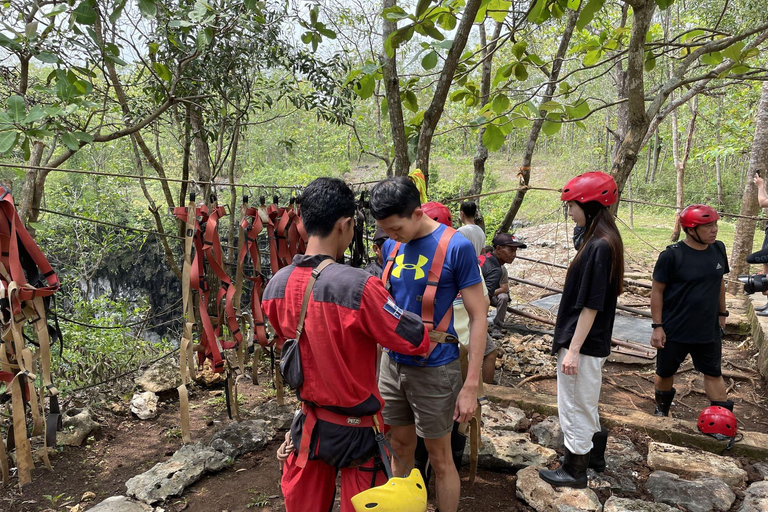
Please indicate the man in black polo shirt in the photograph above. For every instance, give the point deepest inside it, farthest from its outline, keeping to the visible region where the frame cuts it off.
(504, 251)
(688, 307)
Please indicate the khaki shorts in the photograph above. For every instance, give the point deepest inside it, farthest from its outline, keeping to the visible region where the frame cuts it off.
(490, 345)
(421, 395)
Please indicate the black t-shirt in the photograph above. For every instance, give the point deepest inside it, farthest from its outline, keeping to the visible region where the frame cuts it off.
(588, 285)
(491, 269)
(692, 295)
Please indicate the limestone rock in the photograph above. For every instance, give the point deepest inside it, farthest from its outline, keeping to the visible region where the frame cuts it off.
(548, 433)
(144, 405)
(243, 437)
(276, 416)
(755, 498)
(208, 377)
(171, 477)
(621, 452)
(762, 469)
(160, 377)
(702, 495)
(120, 504)
(501, 418)
(695, 464)
(544, 498)
(78, 425)
(505, 449)
(615, 504)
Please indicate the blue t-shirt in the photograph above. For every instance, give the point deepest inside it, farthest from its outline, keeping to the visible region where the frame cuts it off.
(408, 281)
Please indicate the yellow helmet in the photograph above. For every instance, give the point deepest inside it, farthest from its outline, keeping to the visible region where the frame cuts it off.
(407, 494)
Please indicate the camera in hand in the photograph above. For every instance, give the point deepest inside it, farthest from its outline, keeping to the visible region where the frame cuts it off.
(754, 284)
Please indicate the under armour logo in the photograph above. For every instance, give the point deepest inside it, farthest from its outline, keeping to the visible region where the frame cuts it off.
(718, 267)
(399, 266)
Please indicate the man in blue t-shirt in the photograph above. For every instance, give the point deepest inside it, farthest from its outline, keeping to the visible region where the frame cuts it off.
(425, 396)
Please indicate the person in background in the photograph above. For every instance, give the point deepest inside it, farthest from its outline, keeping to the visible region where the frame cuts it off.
(375, 266)
(688, 307)
(469, 229)
(582, 339)
(496, 276)
(486, 250)
(762, 199)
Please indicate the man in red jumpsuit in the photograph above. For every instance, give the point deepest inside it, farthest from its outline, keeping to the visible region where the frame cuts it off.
(348, 314)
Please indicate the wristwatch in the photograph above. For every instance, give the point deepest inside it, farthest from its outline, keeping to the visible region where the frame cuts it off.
(724, 314)
(654, 326)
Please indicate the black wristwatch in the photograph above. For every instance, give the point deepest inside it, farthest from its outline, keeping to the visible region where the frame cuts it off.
(723, 314)
(654, 326)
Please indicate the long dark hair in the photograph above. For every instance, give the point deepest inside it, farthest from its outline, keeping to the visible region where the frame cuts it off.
(604, 226)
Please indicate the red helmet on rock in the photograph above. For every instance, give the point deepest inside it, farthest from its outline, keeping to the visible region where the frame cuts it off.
(718, 422)
(591, 186)
(696, 215)
(438, 212)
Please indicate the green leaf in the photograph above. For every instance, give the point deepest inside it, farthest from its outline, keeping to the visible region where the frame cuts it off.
(521, 72)
(421, 7)
(84, 13)
(650, 62)
(498, 9)
(47, 57)
(115, 14)
(663, 4)
(752, 52)
(59, 8)
(505, 126)
(427, 28)
(733, 52)
(394, 14)
(493, 138)
(8, 140)
(534, 59)
(430, 60)
(550, 127)
(85, 137)
(36, 113)
(693, 34)
(737, 70)
(384, 107)
(153, 48)
(538, 9)
(549, 106)
(459, 95)
(17, 109)
(447, 21)
(162, 71)
(518, 50)
(592, 57)
(500, 104)
(365, 86)
(588, 13)
(578, 110)
(574, 4)
(410, 101)
(70, 141)
(148, 8)
(520, 122)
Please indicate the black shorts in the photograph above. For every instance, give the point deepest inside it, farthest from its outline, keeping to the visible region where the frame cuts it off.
(765, 240)
(706, 358)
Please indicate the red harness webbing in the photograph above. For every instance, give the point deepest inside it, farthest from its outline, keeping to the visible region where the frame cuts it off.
(252, 226)
(433, 278)
(318, 413)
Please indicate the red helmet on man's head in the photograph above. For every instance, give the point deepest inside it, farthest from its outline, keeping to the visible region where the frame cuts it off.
(718, 422)
(591, 186)
(696, 215)
(438, 212)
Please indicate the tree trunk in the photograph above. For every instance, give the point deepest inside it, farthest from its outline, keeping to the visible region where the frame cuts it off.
(488, 51)
(656, 154)
(524, 174)
(392, 92)
(745, 228)
(435, 110)
(233, 193)
(32, 191)
(681, 164)
(718, 138)
(202, 151)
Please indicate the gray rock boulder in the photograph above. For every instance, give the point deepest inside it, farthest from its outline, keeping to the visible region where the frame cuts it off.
(702, 495)
(276, 416)
(120, 504)
(506, 449)
(762, 469)
(544, 498)
(162, 376)
(502, 418)
(621, 452)
(755, 498)
(695, 464)
(615, 504)
(78, 424)
(548, 433)
(243, 437)
(144, 405)
(171, 477)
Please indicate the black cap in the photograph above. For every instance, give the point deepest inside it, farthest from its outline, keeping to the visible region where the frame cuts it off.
(380, 236)
(507, 239)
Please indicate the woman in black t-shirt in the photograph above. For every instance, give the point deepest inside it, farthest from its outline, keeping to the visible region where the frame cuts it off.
(584, 324)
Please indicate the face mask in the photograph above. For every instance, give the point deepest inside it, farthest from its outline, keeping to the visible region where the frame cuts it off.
(578, 236)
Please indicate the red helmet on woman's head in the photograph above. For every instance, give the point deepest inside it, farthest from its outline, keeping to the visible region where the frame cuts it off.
(591, 186)
(696, 215)
(438, 212)
(718, 422)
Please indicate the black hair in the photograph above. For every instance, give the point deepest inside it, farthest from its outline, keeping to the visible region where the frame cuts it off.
(469, 208)
(487, 249)
(394, 196)
(601, 224)
(325, 201)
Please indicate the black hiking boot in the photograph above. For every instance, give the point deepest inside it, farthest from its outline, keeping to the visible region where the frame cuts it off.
(728, 404)
(573, 472)
(664, 402)
(597, 454)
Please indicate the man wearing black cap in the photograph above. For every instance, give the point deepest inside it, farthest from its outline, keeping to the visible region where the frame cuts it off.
(375, 266)
(495, 276)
